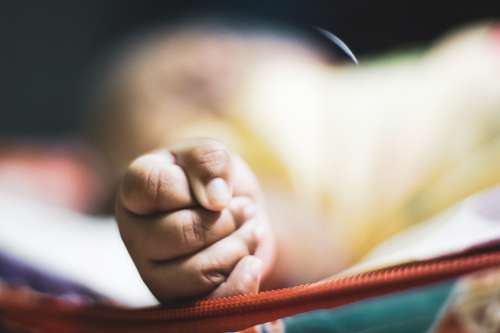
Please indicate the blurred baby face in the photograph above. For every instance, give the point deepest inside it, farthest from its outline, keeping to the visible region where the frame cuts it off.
(172, 80)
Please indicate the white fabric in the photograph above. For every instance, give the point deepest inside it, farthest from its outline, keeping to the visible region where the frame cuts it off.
(83, 249)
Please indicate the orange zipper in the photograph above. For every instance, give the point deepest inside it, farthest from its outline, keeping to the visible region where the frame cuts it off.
(239, 312)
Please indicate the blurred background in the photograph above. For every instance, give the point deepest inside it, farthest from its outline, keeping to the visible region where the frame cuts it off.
(50, 47)
(365, 151)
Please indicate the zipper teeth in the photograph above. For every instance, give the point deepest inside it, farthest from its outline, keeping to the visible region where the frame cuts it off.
(405, 273)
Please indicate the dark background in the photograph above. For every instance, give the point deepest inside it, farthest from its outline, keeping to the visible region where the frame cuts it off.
(49, 47)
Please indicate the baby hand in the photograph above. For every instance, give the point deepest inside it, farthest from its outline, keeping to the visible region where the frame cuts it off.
(193, 223)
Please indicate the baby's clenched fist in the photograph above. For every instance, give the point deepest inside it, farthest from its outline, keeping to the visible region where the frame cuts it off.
(193, 222)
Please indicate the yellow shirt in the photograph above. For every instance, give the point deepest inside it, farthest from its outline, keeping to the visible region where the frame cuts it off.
(374, 148)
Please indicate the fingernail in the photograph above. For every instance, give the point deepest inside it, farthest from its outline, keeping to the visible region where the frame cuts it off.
(218, 193)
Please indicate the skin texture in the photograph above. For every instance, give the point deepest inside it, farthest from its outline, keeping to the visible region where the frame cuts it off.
(181, 85)
(193, 222)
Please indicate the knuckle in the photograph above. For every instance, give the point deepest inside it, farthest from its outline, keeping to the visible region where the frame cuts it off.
(144, 180)
(191, 227)
(212, 159)
(210, 273)
(152, 183)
